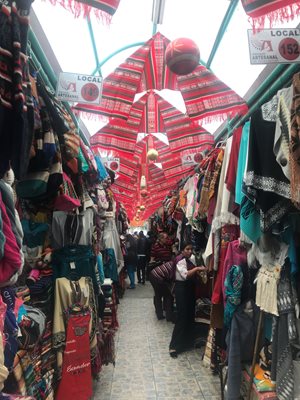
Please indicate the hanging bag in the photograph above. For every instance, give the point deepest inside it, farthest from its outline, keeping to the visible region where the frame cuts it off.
(67, 200)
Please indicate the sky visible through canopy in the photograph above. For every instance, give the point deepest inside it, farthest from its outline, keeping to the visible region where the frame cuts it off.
(198, 20)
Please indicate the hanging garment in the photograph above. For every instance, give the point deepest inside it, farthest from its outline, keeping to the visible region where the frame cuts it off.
(240, 341)
(111, 240)
(233, 286)
(76, 380)
(76, 261)
(67, 293)
(284, 334)
(265, 183)
(231, 174)
(283, 130)
(69, 228)
(295, 143)
(235, 255)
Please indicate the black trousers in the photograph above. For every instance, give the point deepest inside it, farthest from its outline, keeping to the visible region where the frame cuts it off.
(141, 268)
(183, 333)
(163, 299)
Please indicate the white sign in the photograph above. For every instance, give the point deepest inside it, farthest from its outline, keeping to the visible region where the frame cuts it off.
(191, 159)
(274, 46)
(79, 88)
(112, 163)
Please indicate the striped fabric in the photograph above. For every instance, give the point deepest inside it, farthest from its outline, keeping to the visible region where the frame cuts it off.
(103, 9)
(271, 10)
(205, 96)
(164, 272)
(116, 136)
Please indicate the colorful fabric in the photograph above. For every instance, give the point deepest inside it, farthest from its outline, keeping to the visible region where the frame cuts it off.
(205, 96)
(295, 142)
(211, 175)
(103, 9)
(233, 286)
(272, 10)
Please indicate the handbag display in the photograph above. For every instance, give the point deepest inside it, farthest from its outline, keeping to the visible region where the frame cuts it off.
(67, 200)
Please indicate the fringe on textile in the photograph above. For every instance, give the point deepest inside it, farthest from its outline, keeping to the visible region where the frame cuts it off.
(79, 9)
(286, 14)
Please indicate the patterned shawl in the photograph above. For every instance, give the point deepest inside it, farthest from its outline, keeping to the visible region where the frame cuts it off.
(205, 96)
(295, 142)
(103, 9)
(272, 10)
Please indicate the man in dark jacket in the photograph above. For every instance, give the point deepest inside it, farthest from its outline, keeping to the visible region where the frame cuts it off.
(142, 253)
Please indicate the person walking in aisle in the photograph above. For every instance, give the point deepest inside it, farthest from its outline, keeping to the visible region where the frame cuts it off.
(161, 250)
(185, 272)
(130, 259)
(161, 279)
(142, 250)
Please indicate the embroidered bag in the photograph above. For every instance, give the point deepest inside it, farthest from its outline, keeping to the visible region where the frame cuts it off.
(67, 200)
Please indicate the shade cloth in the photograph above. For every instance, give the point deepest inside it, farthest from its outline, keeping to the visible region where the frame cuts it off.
(205, 96)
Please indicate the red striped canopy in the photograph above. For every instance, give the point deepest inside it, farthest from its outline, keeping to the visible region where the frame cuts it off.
(205, 96)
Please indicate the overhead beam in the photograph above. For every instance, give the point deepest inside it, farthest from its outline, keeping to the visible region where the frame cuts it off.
(226, 20)
(95, 51)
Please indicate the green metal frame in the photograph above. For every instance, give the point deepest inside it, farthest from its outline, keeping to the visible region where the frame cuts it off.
(280, 76)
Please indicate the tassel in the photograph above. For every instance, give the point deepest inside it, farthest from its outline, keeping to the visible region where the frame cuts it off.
(80, 9)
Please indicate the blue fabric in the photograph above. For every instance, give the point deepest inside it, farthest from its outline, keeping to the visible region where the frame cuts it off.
(242, 163)
(10, 327)
(34, 233)
(233, 292)
(249, 216)
(100, 268)
(131, 275)
(102, 173)
(110, 265)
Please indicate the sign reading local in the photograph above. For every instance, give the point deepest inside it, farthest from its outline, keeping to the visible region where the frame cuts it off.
(274, 46)
(112, 163)
(79, 88)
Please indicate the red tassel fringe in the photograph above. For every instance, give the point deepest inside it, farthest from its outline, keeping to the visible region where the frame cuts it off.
(79, 9)
(286, 14)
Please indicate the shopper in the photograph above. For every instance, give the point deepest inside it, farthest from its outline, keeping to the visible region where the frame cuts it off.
(130, 259)
(185, 272)
(142, 250)
(161, 249)
(161, 279)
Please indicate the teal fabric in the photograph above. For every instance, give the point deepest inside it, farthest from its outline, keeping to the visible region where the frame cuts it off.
(110, 265)
(34, 233)
(2, 237)
(84, 164)
(100, 268)
(75, 262)
(102, 173)
(242, 163)
(233, 287)
(249, 216)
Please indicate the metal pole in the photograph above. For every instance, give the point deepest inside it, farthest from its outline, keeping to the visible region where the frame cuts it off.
(227, 18)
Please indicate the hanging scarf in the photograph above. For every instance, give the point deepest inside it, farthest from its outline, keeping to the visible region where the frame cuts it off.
(272, 10)
(103, 9)
(295, 142)
(210, 179)
(233, 286)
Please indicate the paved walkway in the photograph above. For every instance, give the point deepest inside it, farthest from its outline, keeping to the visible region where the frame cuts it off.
(144, 370)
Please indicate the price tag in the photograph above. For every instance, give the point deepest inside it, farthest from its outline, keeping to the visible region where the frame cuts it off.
(72, 265)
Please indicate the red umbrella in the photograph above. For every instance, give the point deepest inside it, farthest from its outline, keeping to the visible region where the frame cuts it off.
(205, 96)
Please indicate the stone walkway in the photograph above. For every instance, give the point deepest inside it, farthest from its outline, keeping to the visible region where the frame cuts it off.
(144, 370)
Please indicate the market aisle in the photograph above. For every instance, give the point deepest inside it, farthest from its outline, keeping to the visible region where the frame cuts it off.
(144, 370)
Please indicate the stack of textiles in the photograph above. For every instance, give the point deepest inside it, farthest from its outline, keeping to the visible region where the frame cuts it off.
(255, 394)
(30, 379)
(109, 322)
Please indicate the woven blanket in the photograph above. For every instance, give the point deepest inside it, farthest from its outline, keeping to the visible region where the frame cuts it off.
(205, 96)
(103, 9)
(273, 11)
